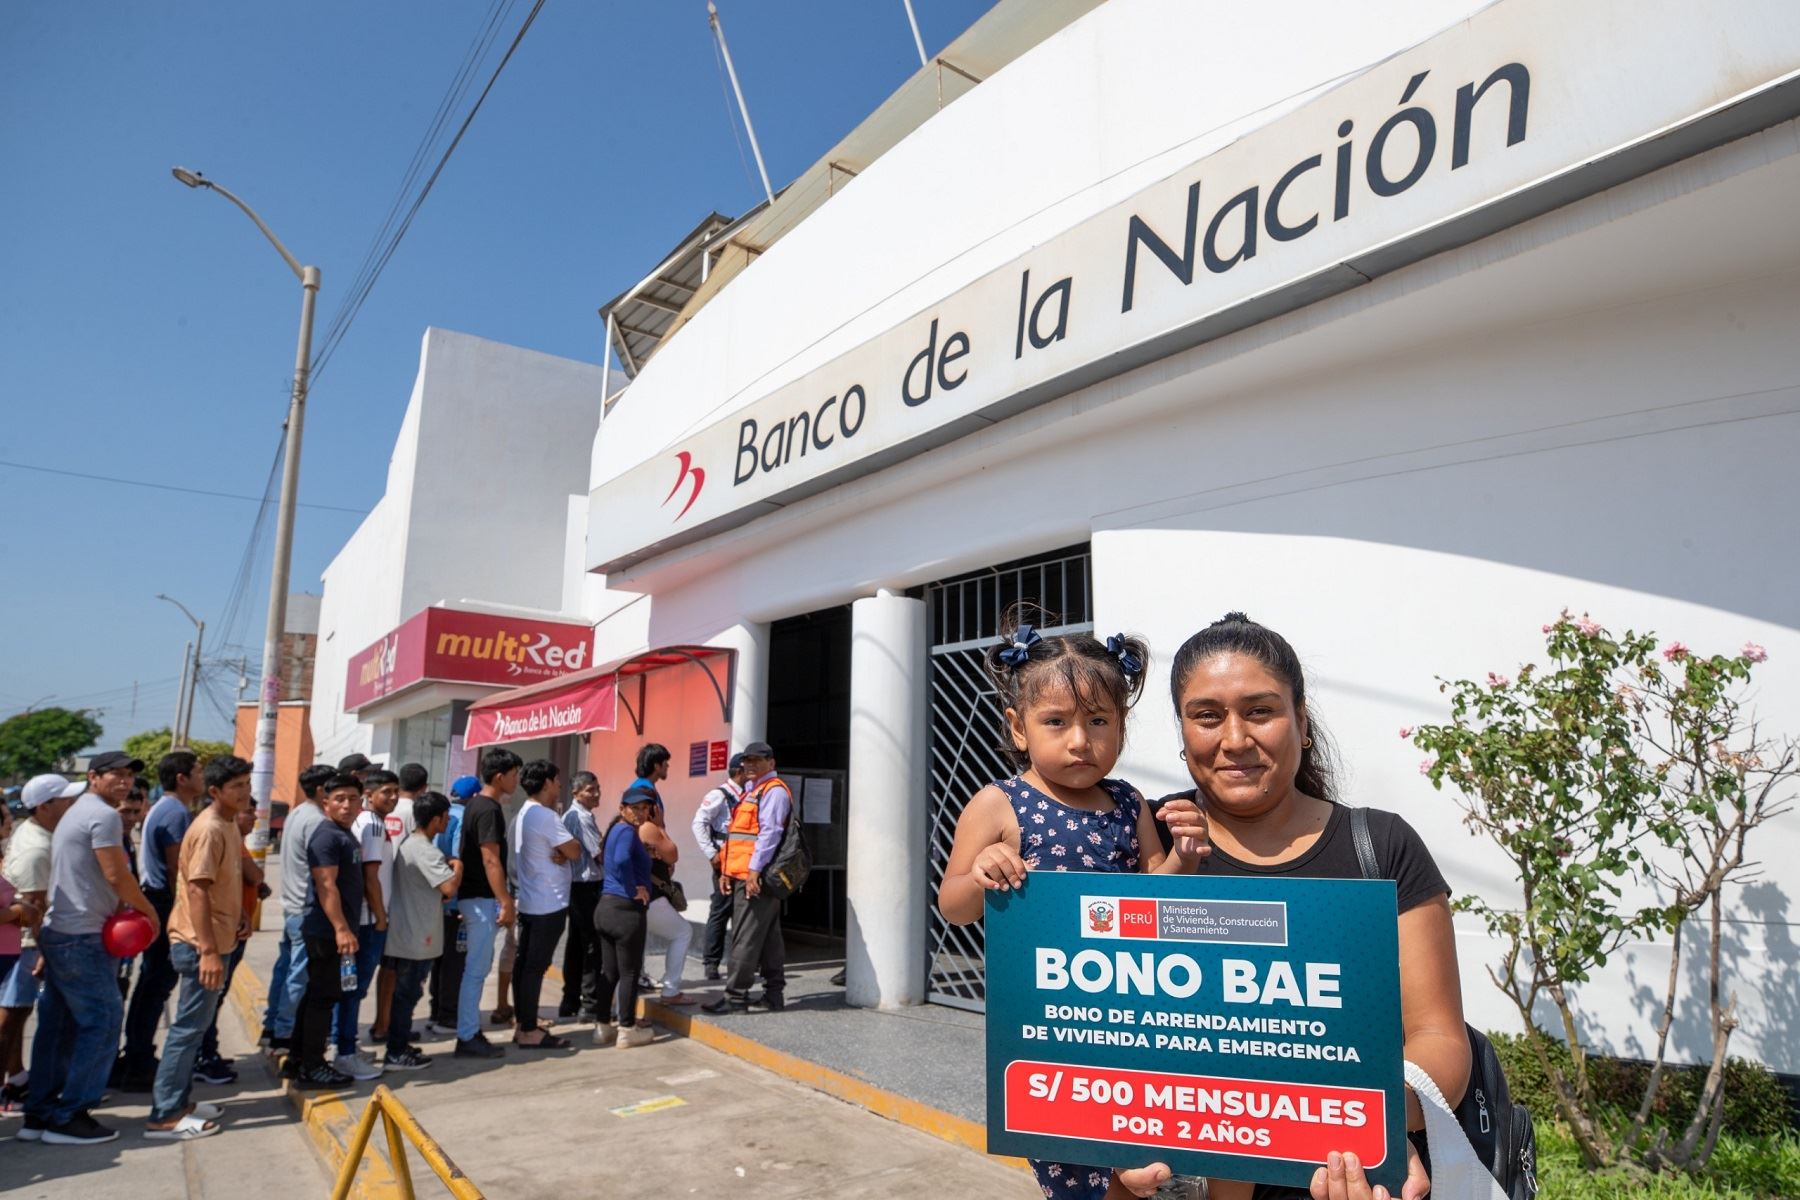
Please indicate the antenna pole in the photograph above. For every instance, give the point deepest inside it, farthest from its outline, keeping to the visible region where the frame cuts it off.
(712, 17)
(918, 41)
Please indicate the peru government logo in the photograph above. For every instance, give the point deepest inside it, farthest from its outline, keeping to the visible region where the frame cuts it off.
(688, 471)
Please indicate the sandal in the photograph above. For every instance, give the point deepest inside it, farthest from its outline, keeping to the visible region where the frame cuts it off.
(550, 1042)
(184, 1130)
(205, 1110)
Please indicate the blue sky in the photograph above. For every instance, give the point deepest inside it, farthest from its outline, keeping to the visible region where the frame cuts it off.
(148, 331)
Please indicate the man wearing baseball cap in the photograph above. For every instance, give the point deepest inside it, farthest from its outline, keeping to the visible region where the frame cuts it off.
(46, 799)
(447, 970)
(81, 1009)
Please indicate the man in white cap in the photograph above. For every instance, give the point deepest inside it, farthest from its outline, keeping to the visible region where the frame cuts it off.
(46, 798)
(81, 1010)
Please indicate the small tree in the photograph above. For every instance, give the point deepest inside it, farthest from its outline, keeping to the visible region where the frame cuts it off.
(1546, 769)
(41, 740)
(152, 744)
(1722, 778)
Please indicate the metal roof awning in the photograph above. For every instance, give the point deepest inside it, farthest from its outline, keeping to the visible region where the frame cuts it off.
(587, 701)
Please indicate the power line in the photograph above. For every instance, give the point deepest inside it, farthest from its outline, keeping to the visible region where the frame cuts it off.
(167, 487)
(342, 320)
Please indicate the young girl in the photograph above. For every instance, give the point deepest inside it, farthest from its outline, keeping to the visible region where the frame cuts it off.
(1065, 700)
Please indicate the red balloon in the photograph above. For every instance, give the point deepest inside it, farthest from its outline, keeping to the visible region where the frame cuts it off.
(127, 933)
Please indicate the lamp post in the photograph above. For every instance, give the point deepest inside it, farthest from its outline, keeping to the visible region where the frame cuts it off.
(262, 778)
(190, 680)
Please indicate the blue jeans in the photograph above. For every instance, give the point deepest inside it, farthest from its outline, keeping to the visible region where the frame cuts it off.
(194, 1010)
(79, 1015)
(481, 918)
(409, 984)
(369, 944)
(287, 984)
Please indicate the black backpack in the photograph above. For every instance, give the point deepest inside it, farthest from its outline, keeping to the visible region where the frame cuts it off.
(1500, 1131)
(786, 872)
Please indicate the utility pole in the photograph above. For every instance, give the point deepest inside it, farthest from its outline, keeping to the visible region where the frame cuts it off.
(175, 742)
(262, 776)
(712, 16)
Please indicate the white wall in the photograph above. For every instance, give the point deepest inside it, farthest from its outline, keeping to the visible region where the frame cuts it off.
(1116, 101)
(493, 442)
(1598, 409)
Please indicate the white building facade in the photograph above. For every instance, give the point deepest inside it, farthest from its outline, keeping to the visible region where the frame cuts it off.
(1401, 327)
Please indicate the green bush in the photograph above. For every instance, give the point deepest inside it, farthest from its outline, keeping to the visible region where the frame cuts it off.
(1742, 1169)
(1756, 1105)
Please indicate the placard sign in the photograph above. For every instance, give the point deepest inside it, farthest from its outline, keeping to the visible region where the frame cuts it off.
(1233, 1028)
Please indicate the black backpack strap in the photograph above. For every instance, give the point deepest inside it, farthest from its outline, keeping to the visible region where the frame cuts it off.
(1365, 845)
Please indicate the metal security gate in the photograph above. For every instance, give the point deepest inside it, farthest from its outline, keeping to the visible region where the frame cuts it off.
(966, 735)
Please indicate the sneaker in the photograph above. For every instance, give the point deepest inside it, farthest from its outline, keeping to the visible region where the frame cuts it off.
(357, 1065)
(12, 1098)
(322, 1077)
(605, 1033)
(79, 1130)
(215, 1071)
(407, 1060)
(773, 1001)
(438, 1029)
(713, 974)
(478, 1047)
(636, 1035)
(725, 1004)
(32, 1131)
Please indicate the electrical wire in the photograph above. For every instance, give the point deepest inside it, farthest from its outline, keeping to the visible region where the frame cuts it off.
(167, 487)
(347, 313)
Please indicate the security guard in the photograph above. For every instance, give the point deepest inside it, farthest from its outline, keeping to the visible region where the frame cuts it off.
(757, 825)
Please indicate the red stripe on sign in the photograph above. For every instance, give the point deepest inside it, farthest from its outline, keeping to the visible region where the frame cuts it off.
(1293, 1122)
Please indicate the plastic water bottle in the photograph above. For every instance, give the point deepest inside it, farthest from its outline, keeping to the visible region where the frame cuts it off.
(347, 973)
(462, 938)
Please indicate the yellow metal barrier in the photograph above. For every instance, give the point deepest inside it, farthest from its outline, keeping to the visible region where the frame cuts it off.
(401, 1127)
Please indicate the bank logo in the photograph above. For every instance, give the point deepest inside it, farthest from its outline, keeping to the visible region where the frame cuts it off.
(688, 471)
(1118, 917)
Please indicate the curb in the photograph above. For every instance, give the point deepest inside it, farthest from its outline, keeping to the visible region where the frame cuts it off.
(913, 1114)
(324, 1116)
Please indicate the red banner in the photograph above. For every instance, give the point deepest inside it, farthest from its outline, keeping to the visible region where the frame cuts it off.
(1295, 1122)
(583, 707)
(466, 647)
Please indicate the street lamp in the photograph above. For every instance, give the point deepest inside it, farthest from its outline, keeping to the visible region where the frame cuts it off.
(190, 683)
(262, 778)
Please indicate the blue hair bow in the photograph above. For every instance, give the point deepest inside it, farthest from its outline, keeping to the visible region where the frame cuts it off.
(1016, 654)
(1131, 664)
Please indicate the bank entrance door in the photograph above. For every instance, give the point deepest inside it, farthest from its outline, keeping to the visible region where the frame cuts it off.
(966, 736)
(809, 726)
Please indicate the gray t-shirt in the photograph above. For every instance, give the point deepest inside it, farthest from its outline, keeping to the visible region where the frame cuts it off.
(416, 909)
(296, 878)
(80, 897)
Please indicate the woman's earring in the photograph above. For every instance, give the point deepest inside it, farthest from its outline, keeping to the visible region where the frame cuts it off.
(1184, 756)
(1306, 743)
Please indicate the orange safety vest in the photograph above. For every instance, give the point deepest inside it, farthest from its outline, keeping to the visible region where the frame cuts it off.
(746, 823)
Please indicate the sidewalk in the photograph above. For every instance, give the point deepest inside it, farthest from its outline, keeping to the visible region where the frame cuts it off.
(678, 1117)
(260, 1142)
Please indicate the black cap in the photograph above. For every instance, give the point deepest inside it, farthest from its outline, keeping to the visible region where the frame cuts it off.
(759, 750)
(354, 762)
(736, 763)
(113, 760)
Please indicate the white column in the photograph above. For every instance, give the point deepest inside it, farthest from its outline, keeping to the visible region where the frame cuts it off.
(886, 867)
(750, 691)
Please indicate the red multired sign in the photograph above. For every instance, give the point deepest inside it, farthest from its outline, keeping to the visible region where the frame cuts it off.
(581, 706)
(466, 647)
(1294, 1122)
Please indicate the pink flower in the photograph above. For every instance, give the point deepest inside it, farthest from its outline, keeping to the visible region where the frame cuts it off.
(1754, 652)
(1497, 681)
(1587, 625)
(1406, 731)
(1425, 767)
(1548, 628)
(1674, 651)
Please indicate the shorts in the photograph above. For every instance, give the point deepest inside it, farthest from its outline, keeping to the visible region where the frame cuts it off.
(18, 987)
